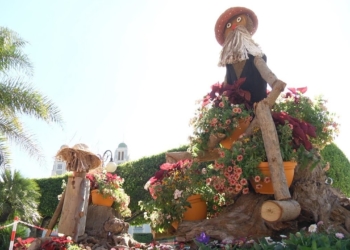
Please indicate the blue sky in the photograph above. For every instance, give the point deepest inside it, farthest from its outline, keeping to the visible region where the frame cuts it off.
(132, 70)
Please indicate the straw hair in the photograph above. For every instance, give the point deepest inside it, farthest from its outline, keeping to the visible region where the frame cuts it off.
(78, 158)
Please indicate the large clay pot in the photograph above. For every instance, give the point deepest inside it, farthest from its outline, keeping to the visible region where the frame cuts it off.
(240, 129)
(98, 199)
(197, 211)
(267, 188)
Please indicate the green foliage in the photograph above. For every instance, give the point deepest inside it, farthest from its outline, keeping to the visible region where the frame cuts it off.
(143, 237)
(5, 234)
(339, 167)
(50, 188)
(136, 174)
(19, 196)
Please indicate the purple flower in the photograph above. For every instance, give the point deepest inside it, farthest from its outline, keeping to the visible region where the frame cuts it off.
(203, 238)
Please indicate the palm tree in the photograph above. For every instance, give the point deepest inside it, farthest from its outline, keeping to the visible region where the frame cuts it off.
(19, 197)
(18, 98)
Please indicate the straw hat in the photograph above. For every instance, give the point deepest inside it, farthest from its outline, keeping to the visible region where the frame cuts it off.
(79, 158)
(227, 15)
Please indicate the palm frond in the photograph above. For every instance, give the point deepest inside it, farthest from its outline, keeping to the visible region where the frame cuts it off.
(9, 131)
(11, 55)
(19, 97)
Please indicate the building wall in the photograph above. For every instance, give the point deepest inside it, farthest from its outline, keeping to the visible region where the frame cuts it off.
(59, 168)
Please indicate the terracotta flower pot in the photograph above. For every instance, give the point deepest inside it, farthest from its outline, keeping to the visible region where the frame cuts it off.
(240, 129)
(197, 211)
(267, 188)
(98, 199)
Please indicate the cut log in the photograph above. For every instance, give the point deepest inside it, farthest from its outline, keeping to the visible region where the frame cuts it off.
(273, 211)
(73, 216)
(273, 153)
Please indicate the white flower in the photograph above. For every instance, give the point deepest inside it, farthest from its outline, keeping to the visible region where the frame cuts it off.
(204, 170)
(313, 228)
(177, 194)
(339, 235)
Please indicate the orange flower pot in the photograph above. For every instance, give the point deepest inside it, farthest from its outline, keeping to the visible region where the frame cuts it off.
(240, 129)
(197, 211)
(267, 188)
(98, 199)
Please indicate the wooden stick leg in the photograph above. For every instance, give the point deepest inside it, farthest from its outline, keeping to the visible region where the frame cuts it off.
(55, 216)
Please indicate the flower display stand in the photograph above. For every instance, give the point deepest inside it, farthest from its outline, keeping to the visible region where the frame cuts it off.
(267, 188)
(98, 199)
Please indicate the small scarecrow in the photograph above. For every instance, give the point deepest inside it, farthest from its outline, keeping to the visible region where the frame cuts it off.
(74, 202)
(233, 31)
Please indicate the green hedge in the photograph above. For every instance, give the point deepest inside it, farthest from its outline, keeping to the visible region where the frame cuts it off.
(50, 188)
(143, 237)
(339, 168)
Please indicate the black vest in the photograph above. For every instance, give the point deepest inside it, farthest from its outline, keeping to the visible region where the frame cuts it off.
(254, 83)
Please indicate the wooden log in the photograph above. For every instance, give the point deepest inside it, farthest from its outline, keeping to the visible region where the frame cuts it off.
(55, 215)
(273, 211)
(173, 157)
(73, 219)
(273, 153)
(214, 140)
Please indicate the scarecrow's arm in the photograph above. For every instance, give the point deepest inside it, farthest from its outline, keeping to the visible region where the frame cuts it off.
(276, 85)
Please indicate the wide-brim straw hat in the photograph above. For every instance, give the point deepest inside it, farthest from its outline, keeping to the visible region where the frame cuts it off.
(79, 158)
(220, 25)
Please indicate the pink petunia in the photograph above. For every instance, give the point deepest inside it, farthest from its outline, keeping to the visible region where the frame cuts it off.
(228, 122)
(238, 171)
(239, 187)
(214, 121)
(245, 190)
(267, 179)
(229, 169)
(257, 178)
(221, 104)
(239, 157)
(222, 154)
(258, 186)
(244, 182)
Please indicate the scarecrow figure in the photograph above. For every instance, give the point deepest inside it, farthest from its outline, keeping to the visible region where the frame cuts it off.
(73, 205)
(234, 30)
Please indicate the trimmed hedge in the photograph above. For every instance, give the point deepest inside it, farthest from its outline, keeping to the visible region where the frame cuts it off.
(50, 188)
(339, 168)
(143, 237)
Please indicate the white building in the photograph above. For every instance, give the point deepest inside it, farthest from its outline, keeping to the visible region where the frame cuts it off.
(121, 154)
(59, 168)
